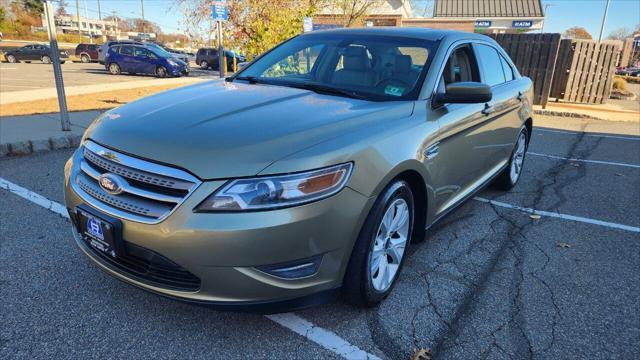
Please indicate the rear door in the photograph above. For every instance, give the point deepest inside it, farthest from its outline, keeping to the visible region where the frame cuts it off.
(28, 53)
(126, 60)
(505, 123)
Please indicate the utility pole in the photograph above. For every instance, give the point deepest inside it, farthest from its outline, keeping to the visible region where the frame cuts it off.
(604, 20)
(143, 22)
(57, 69)
(99, 11)
(78, 20)
(86, 16)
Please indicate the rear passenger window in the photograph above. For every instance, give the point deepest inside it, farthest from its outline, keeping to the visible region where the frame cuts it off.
(491, 64)
(126, 50)
(508, 70)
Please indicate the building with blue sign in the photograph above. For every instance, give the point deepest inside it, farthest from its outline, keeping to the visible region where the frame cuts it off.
(494, 16)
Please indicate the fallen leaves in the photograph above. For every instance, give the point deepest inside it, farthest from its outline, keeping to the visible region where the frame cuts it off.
(422, 354)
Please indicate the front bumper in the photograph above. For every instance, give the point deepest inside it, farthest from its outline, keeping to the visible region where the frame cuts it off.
(224, 249)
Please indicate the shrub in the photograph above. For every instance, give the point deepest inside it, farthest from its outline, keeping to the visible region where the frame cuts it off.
(619, 84)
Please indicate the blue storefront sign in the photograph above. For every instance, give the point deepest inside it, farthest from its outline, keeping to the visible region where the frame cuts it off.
(483, 23)
(219, 10)
(521, 24)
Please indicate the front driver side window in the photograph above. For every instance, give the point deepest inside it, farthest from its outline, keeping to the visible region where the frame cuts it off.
(461, 66)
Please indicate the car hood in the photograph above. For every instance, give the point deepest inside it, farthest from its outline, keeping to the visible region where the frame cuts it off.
(219, 129)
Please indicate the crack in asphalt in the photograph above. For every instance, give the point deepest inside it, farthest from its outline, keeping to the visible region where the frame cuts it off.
(548, 180)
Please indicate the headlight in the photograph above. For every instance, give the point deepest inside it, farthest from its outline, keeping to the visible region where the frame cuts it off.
(265, 193)
(172, 63)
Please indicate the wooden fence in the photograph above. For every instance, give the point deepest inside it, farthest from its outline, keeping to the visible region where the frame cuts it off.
(584, 71)
(535, 56)
(570, 70)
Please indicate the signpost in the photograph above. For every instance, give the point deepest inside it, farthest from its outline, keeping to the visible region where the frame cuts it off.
(57, 69)
(220, 14)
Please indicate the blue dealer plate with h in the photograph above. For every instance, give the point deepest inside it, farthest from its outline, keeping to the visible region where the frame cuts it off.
(99, 231)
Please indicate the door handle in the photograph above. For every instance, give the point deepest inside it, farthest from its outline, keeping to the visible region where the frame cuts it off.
(520, 96)
(488, 109)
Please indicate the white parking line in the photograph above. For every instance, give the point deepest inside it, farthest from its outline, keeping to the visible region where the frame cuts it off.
(590, 135)
(34, 198)
(585, 160)
(295, 323)
(559, 215)
(320, 336)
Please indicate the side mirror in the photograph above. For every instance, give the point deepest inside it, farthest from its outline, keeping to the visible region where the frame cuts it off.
(465, 93)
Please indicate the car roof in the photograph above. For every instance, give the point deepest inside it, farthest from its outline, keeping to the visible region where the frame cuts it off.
(410, 32)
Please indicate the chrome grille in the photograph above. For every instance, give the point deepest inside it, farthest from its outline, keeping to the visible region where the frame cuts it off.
(150, 192)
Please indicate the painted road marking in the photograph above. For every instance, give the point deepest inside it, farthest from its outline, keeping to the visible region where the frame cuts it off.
(591, 135)
(325, 338)
(559, 215)
(320, 336)
(585, 160)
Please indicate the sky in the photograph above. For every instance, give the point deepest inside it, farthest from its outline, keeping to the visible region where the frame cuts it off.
(561, 14)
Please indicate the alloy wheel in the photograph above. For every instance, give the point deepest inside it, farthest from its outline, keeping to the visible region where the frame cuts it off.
(204, 64)
(46, 59)
(114, 69)
(11, 59)
(161, 72)
(84, 59)
(518, 158)
(389, 246)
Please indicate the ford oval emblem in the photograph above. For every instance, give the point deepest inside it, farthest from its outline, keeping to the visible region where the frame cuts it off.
(112, 183)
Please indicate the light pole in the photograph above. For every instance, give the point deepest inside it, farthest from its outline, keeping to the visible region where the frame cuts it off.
(143, 27)
(57, 69)
(604, 20)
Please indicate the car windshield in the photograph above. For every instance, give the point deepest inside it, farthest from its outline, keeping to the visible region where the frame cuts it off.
(371, 67)
(158, 50)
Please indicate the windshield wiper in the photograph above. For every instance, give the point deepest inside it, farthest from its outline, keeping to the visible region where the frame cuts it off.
(250, 79)
(328, 90)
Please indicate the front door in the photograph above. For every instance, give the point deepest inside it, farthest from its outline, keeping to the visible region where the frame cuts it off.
(460, 154)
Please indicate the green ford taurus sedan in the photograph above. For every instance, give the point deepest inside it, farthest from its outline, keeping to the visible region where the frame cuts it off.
(306, 174)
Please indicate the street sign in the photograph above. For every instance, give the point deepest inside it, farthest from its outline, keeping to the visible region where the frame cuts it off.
(307, 24)
(521, 24)
(483, 23)
(219, 10)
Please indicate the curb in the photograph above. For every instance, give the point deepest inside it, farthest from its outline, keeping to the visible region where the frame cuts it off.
(39, 146)
(565, 114)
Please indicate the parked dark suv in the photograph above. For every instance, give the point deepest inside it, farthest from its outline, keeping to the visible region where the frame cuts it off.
(87, 52)
(34, 52)
(207, 58)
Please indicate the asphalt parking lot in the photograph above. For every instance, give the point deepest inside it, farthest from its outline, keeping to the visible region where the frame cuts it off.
(490, 281)
(28, 76)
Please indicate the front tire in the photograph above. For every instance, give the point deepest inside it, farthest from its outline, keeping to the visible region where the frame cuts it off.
(85, 58)
(12, 59)
(114, 69)
(46, 60)
(161, 72)
(204, 65)
(380, 250)
(509, 177)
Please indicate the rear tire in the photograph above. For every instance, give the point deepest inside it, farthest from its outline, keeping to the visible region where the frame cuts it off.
(114, 69)
(509, 177)
(85, 58)
(45, 59)
(12, 59)
(204, 65)
(380, 250)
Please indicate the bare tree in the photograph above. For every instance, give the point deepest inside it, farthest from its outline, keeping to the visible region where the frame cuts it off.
(353, 12)
(619, 33)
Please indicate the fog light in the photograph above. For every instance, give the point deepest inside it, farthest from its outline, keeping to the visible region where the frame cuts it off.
(294, 269)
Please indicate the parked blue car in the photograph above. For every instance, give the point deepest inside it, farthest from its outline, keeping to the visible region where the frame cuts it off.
(141, 59)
